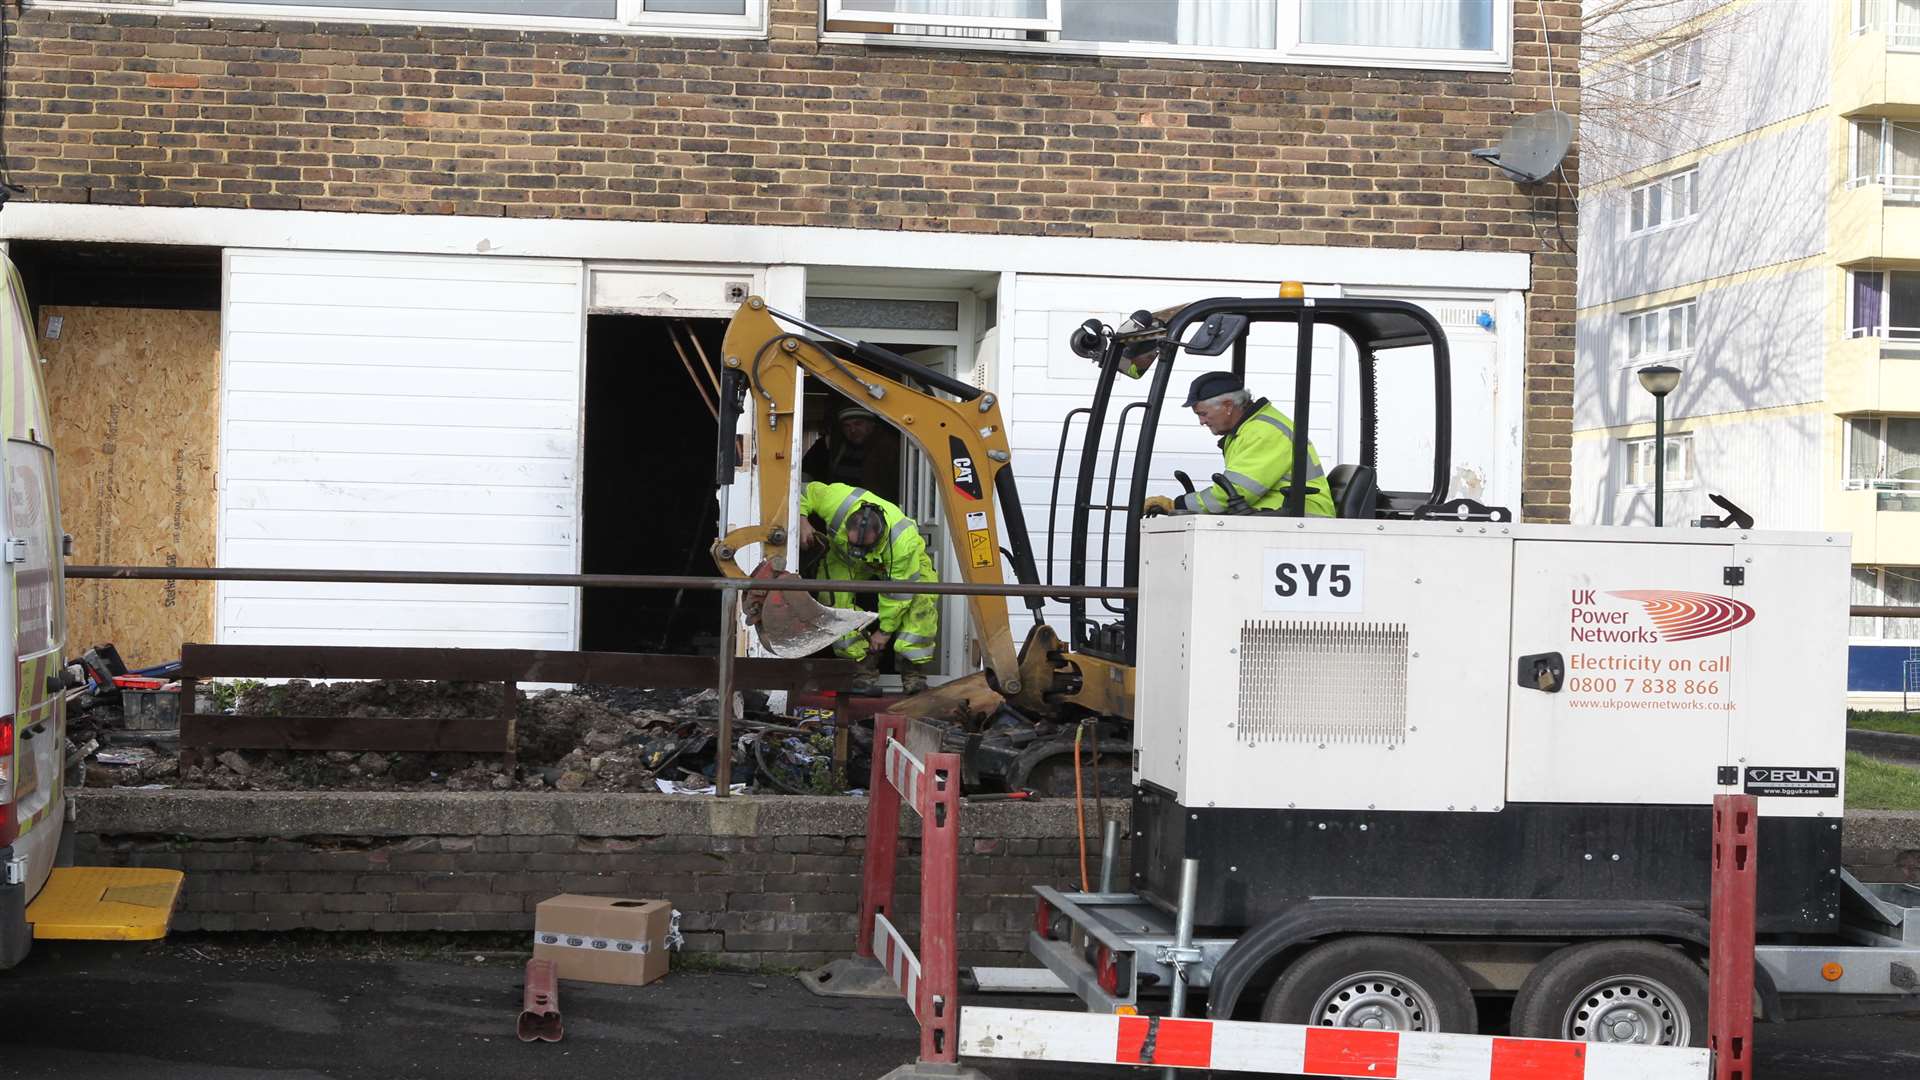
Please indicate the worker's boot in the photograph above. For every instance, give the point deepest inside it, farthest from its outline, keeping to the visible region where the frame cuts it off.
(913, 682)
(867, 679)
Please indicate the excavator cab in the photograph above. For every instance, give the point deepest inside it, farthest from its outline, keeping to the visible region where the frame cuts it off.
(1149, 344)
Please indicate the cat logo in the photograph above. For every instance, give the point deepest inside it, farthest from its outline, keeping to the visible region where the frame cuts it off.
(965, 480)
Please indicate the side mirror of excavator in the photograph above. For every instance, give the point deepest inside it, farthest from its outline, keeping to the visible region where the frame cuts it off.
(1089, 340)
(1216, 335)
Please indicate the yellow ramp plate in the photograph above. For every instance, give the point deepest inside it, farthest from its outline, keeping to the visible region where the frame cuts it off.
(100, 903)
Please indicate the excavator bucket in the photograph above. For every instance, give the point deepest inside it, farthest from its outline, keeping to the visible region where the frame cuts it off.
(793, 624)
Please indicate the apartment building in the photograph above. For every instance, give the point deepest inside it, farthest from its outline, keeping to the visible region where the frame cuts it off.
(409, 283)
(1764, 237)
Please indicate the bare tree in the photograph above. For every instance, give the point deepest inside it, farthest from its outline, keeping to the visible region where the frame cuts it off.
(1642, 65)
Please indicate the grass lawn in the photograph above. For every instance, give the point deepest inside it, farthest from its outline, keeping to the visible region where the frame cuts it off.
(1898, 722)
(1876, 785)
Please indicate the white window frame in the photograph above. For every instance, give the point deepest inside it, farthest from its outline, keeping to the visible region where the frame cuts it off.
(1643, 72)
(1893, 188)
(837, 11)
(1631, 321)
(1637, 449)
(631, 16)
(1289, 49)
(1879, 481)
(1870, 16)
(1640, 196)
(1885, 327)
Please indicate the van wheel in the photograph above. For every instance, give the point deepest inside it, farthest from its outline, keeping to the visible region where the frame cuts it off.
(1615, 992)
(1380, 983)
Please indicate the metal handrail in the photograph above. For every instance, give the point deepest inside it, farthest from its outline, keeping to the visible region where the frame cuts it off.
(593, 581)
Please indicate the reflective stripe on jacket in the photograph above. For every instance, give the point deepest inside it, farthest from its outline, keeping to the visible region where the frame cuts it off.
(1259, 465)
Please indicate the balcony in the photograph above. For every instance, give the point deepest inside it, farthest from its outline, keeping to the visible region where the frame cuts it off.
(1876, 67)
(1885, 522)
(1875, 217)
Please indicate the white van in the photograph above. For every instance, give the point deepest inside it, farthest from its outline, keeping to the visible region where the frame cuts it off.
(38, 897)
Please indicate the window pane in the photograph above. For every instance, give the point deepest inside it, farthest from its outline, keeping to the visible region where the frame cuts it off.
(1866, 591)
(1866, 149)
(883, 314)
(998, 9)
(1637, 213)
(1904, 146)
(1637, 473)
(1863, 447)
(1903, 449)
(1233, 24)
(1693, 314)
(1399, 24)
(1654, 206)
(1869, 290)
(1679, 460)
(1902, 590)
(1680, 197)
(1903, 304)
(695, 7)
(566, 9)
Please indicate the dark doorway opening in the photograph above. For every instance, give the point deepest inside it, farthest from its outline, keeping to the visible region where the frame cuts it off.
(648, 504)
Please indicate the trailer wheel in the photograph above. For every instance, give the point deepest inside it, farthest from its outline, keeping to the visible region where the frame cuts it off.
(1385, 983)
(1616, 992)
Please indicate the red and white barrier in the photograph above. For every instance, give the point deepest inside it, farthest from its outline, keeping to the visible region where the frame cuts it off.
(1249, 1046)
(1736, 840)
(930, 980)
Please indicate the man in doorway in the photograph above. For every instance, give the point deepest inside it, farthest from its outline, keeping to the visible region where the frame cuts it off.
(859, 450)
(1257, 442)
(867, 538)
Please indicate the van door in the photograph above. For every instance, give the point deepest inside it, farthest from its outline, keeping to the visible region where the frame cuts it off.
(39, 699)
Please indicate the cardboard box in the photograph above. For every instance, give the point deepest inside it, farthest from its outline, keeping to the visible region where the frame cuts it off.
(603, 939)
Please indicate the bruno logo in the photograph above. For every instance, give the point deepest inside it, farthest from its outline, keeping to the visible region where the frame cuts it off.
(1682, 616)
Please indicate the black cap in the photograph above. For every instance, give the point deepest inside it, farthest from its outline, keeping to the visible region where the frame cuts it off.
(1212, 385)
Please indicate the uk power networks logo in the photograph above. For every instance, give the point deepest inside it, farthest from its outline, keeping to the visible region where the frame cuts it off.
(1683, 616)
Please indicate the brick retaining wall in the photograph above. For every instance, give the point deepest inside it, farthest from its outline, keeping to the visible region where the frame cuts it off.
(770, 881)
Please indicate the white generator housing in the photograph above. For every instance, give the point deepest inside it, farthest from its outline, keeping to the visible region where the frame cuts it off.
(1290, 663)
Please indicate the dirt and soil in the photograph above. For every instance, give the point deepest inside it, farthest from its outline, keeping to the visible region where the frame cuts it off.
(588, 739)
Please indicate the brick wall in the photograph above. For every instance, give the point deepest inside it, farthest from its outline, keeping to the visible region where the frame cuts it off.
(163, 110)
(763, 882)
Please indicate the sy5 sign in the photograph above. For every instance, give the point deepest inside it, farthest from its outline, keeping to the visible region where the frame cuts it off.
(1315, 579)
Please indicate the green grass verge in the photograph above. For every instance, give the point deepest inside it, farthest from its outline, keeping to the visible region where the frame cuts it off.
(1877, 785)
(1871, 720)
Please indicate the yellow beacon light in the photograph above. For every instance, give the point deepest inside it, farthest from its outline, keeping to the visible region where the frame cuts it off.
(1292, 290)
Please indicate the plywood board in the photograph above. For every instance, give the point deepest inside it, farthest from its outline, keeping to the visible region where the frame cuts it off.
(134, 394)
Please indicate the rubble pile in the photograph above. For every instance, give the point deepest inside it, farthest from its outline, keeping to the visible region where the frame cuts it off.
(589, 739)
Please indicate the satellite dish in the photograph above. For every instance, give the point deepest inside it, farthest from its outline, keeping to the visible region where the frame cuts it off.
(1533, 146)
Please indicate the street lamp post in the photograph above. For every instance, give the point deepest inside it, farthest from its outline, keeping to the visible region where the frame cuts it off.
(1659, 380)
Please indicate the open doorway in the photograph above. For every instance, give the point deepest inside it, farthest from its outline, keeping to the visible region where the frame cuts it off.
(648, 503)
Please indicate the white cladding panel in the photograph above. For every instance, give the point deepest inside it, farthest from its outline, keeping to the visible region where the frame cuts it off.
(1382, 705)
(1384, 662)
(397, 412)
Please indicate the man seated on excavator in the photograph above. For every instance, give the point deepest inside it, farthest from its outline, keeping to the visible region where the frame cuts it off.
(1257, 441)
(867, 538)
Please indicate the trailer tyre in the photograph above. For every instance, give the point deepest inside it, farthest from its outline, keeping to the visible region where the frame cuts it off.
(1615, 991)
(1388, 983)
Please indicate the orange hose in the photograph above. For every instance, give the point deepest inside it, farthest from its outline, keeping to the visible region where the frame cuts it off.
(1080, 809)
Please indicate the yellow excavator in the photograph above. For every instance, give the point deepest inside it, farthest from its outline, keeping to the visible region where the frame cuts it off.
(960, 430)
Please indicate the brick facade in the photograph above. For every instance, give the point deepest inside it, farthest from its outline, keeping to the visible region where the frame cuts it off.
(163, 110)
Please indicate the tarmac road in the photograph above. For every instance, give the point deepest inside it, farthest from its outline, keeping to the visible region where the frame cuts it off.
(204, 1009)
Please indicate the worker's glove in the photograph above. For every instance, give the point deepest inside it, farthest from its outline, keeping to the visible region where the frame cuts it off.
(879, 640)
(808, 538)
(1155, 505)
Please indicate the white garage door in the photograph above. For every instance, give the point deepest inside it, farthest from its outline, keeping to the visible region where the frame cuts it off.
(399, 413)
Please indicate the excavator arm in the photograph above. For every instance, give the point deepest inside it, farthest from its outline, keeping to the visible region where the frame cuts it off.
(964, 440)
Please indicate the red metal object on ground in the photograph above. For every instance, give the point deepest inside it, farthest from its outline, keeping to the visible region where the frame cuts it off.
(1736, 826)
(939, 1012)
(540, 1008)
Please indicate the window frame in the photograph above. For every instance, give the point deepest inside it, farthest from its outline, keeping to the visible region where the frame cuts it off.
(1661, 183)
(1884, 329)
(1879, 481)
(630, 16)
(1641, 72)
(1288, 48)
(835, 11)
(1883, 174)
(1629, 359)
(1634, 448)
(1878, 633)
